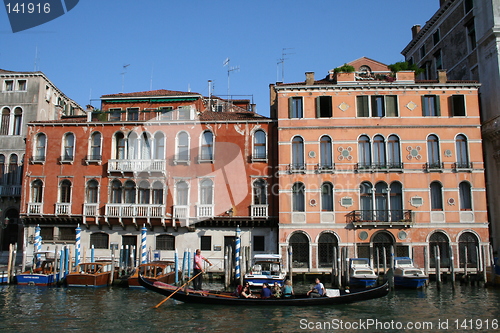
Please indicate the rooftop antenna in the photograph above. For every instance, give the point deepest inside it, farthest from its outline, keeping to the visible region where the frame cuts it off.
(209, 95)
(151, 82)
(123, 75)
(282, 62)
(36, 59)
(229, 70)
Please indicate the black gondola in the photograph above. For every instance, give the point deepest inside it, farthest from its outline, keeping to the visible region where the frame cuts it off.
(223, 298)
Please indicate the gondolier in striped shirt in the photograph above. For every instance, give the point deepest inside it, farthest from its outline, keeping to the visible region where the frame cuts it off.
(198, 268)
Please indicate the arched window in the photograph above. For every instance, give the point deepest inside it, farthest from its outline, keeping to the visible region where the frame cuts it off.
(259, 192)
(462, 152)
(13, 176)
(327, 197)
(436, 196)
(327, 242)
(379, 152)
(37, 191)
(157, 193)
(393, 152)
(439, 240)
(300, 250)
(65, 191)
(396, 201)
(18, 121)
(365, 153)
(298, 153)
(69, 147)
(381, 205)
(2, 169)
(40, 144)
(165, 242)
(116, 192)
(95, 146)
(326, 161)
(465, 196)
(129, 189)
(4, 129)
(159, 152)
(92, 191)
(298, 197)
(366, 201)
(182, 147)
(133, 146)
(468, 246)
(182, 193)
(434, 161)
(259, 145)
(206, 192)
(144, 192)
(207, 146)
(99, 240)
(146, 152)
(120, 146)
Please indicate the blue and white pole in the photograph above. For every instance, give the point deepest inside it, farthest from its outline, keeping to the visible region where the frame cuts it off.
(144, 251)
(176, 261)
(78, 232)
(92, 254)
(238, 241)
(38, 244)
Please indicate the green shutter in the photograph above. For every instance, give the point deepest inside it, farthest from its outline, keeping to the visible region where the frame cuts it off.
(425, 109)
(437, 105)
(318, 107)
(290, 107)
(391, 106)
(362, 106)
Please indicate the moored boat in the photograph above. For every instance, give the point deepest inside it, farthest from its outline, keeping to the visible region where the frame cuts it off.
(225, 298)
(361, 274)
(407, 275)
(92, 274)
(43, 275)
(163, 271)
(266, 268)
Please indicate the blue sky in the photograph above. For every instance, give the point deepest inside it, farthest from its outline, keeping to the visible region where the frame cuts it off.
(180, 45)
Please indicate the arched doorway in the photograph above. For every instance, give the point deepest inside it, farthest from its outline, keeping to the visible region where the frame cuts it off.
(326, 243)
(468, 246)
(383, 241)
(300, 247)
(10, 233)
(440, 240)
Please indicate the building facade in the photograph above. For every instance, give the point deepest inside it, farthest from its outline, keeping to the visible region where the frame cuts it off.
(24, 97)
(463, 38)
(188, 168)
(370, 161)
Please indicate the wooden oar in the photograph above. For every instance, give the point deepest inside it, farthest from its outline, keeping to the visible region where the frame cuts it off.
(158, 305)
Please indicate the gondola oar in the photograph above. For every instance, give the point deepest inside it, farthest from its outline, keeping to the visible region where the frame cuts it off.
(158, 305)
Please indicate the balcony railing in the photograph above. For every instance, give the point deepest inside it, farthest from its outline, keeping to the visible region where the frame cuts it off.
(91, 209)
(181, 211)
(204, 211)
(259, 211)
(387, 166)
(433, 166)
(463, 166)
(380, 217)
(297, 167)
(63, 208)
(325, 168)
(137, 166)
(135, 210)
(10, 190)
(35, 208)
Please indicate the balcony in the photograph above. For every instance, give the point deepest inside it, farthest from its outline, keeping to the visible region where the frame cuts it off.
(181, 212)
(137, 166)
(374, 167)
(434, 167)
(35, 208)
(462, 166)
(135, 210)
(10, 190)
(297, 168)
(204, 211)
(325, 168)
(259, 211)
(63, 208)
(380, 218)
(91, 209)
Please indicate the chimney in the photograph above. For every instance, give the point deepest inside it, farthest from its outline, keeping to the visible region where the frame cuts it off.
(442, 77)
(309, 78)
(415, 30)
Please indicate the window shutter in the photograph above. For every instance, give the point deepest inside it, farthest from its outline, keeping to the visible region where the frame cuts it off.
(425, 108)
(290, 107)
(362, 106)
(437, 105)
(318, 107)
(391, 107)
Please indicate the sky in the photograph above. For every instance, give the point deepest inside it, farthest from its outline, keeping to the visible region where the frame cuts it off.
(108, 46)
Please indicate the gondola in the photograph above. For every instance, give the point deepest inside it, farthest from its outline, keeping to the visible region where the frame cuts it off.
(224, 298)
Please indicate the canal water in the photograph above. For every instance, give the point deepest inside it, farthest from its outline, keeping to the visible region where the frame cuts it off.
(35, 309)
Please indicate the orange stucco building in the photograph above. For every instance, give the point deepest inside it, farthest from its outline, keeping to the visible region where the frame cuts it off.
(372, 161)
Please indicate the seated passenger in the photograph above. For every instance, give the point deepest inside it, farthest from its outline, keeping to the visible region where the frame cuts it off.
(318, 290)
(265, 293)
(276, 290)
(288, 289)
(246, 292)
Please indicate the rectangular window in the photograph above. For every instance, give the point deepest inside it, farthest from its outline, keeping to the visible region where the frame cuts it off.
(324, 107)
(468, 4)
(165, 242)
(206, 243)
(21, 85)
(471, 35)
(259, 243)
(295, 107)
(457, 106)
(380, 106)
(165, 113)
(184, 113)
(47, 233)
(114, 114)
(430, 106)
(422, 52)
(436, 37)
(438, 59)
(362, 106)
(133, 114)
(9, 85)
(67, 234)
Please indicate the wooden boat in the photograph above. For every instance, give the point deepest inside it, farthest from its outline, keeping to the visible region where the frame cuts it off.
(163, 271)
(407, 275)
(266, 268)
(361, 274)
(92, 274)
(224, 298)
(43, 275)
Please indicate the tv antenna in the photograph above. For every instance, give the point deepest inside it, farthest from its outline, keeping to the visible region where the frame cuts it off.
(123, 75)
(229, 70)
(282, 62)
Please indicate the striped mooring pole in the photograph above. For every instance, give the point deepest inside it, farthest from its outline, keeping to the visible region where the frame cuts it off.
(144, 251)
(237, 254)
(78, 232)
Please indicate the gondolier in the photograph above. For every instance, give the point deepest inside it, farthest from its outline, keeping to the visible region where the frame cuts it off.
(198, 268)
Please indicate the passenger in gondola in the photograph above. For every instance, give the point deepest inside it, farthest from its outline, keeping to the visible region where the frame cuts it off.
(288, 289)
(318, 290)
(276, 290)
(246, 292)
(265, 293)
